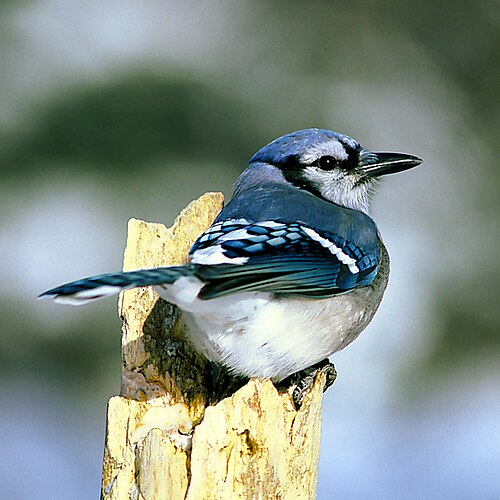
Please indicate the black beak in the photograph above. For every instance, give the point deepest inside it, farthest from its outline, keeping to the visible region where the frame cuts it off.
(378, 164)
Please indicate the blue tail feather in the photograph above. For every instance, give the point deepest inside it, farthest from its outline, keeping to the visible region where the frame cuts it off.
(95, 287)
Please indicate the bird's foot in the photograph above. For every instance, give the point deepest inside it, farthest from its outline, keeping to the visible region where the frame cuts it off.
(221, 383)
(300, 383)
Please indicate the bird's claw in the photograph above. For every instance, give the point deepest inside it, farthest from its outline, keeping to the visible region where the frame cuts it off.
(299, 384)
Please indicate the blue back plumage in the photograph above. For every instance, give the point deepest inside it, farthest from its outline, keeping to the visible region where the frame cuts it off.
(284, 240)
(283, 202)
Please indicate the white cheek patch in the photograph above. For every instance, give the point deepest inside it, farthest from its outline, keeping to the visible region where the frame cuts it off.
(328, 180)
(340, 189)
(330, 148)
(334, 249)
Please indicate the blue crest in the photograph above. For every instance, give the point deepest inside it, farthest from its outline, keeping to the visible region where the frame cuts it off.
(296, 143)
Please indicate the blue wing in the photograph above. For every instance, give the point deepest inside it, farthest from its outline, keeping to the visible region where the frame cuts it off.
(279, 257)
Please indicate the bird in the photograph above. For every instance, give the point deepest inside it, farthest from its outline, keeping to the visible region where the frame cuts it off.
(292, 269)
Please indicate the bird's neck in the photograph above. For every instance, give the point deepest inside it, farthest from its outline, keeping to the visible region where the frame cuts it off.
(264, 175)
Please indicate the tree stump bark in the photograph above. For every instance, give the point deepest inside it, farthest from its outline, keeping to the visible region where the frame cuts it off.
(163, 439)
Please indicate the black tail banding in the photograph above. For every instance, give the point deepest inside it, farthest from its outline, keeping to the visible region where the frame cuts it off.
(104, 285)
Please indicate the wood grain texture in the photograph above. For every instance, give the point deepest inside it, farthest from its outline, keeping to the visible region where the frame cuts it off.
(163, 441)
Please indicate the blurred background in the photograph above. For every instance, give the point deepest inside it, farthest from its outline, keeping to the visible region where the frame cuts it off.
(119, 109)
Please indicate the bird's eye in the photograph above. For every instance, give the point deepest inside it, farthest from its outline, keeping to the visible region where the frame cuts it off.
(327, 163)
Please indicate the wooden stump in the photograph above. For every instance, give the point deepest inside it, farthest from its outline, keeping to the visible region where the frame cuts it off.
(163, 441)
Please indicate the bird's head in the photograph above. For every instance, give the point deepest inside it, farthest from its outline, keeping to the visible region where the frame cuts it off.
(330, 165)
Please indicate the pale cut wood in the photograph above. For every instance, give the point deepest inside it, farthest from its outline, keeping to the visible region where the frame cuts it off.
(256, 445)
(162, 440)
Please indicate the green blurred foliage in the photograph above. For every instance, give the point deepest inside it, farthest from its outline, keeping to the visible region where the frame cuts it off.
(132, 120)
(468, 332)
(29, 349)
(463, 38)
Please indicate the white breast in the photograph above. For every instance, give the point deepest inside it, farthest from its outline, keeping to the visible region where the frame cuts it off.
(256, 335)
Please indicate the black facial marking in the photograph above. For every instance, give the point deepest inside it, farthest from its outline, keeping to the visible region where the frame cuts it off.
(352, 156)
(328, 162)
(293, 171)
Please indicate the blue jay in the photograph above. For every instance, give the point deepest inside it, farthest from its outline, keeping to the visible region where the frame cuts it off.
(292, 269)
